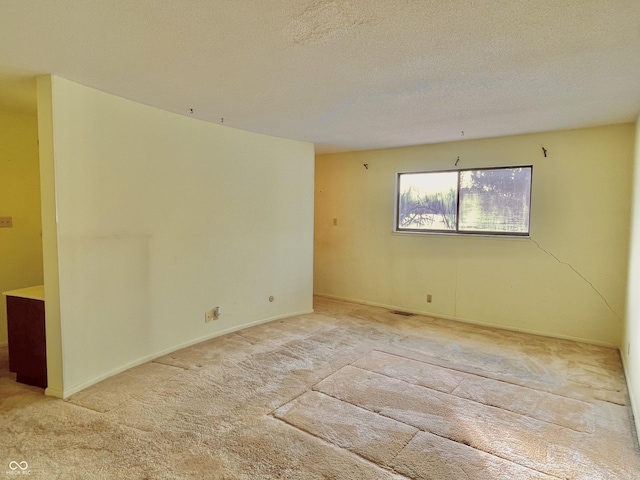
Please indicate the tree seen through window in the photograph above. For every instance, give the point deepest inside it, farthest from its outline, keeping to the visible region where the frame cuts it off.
(495, 201)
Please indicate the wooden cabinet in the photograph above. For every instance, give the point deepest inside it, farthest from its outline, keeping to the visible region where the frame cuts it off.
(27, 341)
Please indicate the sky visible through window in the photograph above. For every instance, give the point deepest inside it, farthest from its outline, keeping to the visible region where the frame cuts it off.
(466, 201)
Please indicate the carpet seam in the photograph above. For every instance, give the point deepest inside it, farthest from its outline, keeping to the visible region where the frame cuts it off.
(170, 365)
(311, 387)
(492, 378)
(134, 397)
(474, 401)
(407, 443)
(351, 452)
(446, 438)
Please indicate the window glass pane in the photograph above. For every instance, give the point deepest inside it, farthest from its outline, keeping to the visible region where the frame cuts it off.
(427, 201)
(496, 200)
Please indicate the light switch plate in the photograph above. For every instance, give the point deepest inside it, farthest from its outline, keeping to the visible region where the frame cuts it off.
(6, 222)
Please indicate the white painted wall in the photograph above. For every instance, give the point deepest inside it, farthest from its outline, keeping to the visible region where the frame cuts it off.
(568, 280)
(21, 245)
(161, 217)
(630, 347)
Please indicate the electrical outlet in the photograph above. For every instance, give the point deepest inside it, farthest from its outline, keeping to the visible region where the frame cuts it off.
(212, 314)
(6, 222)
(429, 298)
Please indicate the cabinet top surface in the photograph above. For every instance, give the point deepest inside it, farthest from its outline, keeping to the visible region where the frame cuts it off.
(34, 293)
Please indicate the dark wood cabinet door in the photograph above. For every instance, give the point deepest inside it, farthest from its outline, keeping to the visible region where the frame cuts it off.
(27, 341)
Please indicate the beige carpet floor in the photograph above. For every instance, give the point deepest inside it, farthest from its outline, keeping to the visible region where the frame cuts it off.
(349, 392)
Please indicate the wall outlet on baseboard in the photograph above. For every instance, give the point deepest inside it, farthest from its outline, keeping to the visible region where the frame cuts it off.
(429, 298)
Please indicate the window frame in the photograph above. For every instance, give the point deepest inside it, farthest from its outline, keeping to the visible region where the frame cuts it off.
(457, 231)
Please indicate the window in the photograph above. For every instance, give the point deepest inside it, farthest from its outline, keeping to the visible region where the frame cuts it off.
(494, 201)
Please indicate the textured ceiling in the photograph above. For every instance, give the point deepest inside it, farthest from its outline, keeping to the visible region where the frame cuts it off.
(343, 74)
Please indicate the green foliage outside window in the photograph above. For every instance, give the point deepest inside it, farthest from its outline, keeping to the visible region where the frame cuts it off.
(487, 201)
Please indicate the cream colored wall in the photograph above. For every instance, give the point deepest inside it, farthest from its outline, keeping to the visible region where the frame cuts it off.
(21, 245)
(162, 217)
(55, 385)
(631, 342)
(568, 280)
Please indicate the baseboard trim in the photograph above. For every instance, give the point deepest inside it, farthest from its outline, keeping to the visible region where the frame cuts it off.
(77, 388)
(469, 321)
(632, 400)
(53, 392)
(4, 344)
